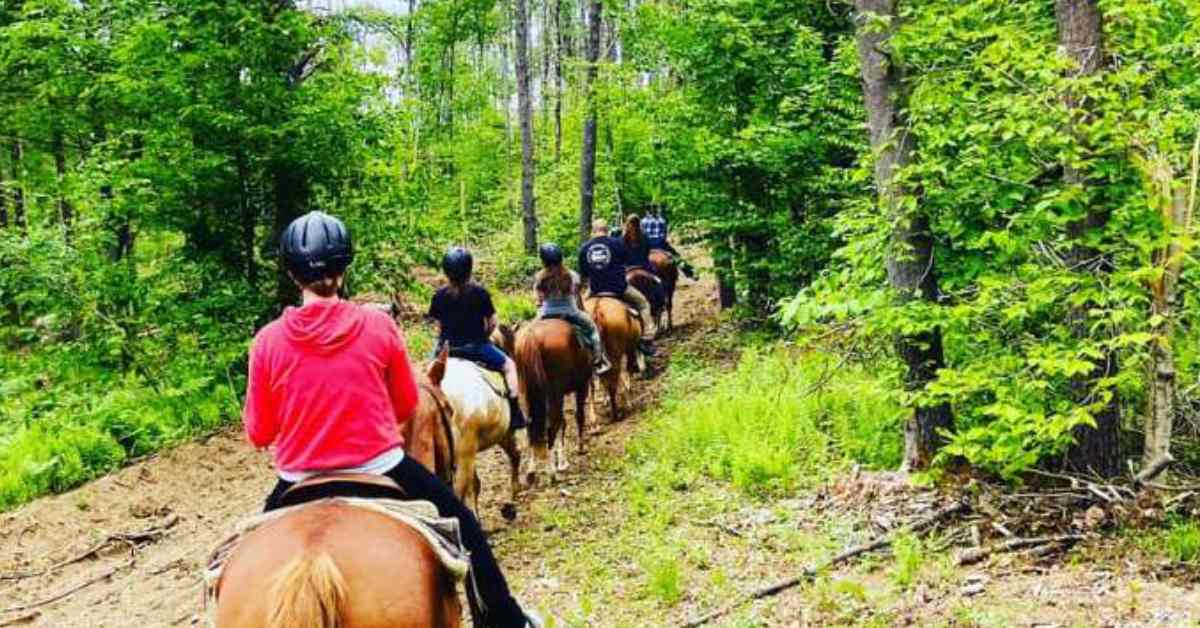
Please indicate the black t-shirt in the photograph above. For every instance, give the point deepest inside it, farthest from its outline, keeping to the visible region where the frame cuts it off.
(463, 314)
(602, 263)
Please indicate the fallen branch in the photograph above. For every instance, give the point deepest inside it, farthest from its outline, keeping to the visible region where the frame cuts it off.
(27, 618)
(130, 538)
(977, 554)
(810, 572)
(1152, 470)
(73, 590)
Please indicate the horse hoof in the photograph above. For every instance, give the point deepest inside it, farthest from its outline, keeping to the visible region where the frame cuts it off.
(508, 511)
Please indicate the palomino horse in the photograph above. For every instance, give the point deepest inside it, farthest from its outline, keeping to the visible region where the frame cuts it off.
(334, 565)
(620, 330)
(664, 266)
(552, 364)
(481, 416)
(339, 566)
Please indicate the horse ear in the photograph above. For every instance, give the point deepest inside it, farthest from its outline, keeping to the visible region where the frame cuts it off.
(437, 369)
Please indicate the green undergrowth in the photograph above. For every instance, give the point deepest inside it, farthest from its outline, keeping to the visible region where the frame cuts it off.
(777, 421)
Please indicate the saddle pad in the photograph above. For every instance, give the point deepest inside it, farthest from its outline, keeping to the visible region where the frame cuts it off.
(441, 533)
(494, 380)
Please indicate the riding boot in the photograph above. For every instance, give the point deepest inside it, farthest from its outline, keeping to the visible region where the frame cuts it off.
(600, 362)
(516, 420)
(688, 270)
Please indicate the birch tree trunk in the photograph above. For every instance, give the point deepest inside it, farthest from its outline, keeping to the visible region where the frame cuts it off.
(910, 259)
(1176, 204)
(587, 178)
(525, 112)
(1096, 448)
(559, 43)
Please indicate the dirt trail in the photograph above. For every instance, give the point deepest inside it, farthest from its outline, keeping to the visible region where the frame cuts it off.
(200, 490)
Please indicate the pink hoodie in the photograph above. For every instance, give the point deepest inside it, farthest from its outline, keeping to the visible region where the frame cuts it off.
(330, 384)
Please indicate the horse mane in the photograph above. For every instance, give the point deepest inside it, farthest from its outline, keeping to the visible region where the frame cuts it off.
(309, 593)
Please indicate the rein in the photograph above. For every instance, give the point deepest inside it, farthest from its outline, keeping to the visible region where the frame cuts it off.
(444, 415)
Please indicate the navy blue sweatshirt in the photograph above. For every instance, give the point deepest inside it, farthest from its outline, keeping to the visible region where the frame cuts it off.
(602, 263)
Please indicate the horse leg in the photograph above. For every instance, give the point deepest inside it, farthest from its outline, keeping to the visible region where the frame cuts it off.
(612, 384)
(513, 452)
(555, 422)
(581, 417)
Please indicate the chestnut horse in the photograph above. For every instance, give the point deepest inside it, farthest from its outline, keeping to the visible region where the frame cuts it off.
(335, 565)
(551, 364)
(651, 287)
(620, 330)
(664, 266)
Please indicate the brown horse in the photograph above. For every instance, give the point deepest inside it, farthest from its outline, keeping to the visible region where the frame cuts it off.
(664, 266)
(651, 287)
(335, 565)
(552, 364)
(620, 330)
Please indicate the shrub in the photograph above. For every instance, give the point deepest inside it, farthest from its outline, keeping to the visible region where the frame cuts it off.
(779, 421)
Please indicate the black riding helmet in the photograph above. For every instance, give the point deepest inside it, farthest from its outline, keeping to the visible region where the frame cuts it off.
(551, 254)
(315, 246)
(457, 264)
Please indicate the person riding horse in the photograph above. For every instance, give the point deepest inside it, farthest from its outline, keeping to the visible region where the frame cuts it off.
(654, 227)
(466, 318)
(330, 384)
(557, 290)
(602, 262)
(650, 285)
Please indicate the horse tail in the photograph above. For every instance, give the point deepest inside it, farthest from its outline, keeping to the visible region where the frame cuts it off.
(531, 373)
(310, 593)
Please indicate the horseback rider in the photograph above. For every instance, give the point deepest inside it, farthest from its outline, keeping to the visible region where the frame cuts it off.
(654, 228)
(602, 262)
(637, 244)
(466, 318)
(558, 291)
(639, 258)
(330, 383)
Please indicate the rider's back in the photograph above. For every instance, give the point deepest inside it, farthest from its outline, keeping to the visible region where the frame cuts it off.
(329, 384)
(602, 262)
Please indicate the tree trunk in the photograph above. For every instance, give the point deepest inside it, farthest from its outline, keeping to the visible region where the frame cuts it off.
(65, 212)
(726, 281)
(1176, 203)
(17, 153)
(587, 179)
(910, 258)
(249, 220)
(291, 194)
(4, 201)
(525, 106)
(1096, 449)
(558, 79)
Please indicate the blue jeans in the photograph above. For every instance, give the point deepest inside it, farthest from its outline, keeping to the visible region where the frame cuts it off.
(484, 353)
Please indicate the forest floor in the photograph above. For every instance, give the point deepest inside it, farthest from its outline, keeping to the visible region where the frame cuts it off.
(591, 549)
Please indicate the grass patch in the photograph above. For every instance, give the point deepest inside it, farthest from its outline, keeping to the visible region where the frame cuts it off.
(1178, 541)
(779, 421)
